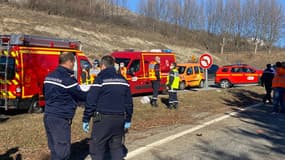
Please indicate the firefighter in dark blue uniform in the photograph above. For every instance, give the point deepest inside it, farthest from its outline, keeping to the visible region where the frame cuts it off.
(62, 93)
(154, 70)
(266, 81)
(110, 103)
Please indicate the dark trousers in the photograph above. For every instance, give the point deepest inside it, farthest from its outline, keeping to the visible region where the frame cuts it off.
(107, 134)
(279, 99)
(173, 97)
(58, 132)
(268, 89)
(155, 87)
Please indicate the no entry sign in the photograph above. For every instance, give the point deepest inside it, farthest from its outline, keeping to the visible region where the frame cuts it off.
(206, 61)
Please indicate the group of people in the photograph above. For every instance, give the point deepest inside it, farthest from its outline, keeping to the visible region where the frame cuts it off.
(273, 78)
(110, 118)
(88, 74)
(172, 83)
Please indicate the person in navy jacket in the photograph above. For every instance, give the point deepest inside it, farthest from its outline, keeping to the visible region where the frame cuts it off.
(62, 93)
(266, 81)
(110, 103)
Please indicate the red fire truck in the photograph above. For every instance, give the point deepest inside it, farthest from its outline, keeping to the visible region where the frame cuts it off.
(25, 60)
(137, 63)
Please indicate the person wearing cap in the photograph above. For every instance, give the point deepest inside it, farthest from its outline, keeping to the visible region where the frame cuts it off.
(172, 84)
(266, 82)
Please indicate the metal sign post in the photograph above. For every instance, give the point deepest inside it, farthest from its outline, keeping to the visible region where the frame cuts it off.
(206, 62)
(206, 78)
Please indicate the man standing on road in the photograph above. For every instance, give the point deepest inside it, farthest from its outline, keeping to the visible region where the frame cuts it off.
(154, 74)
(62, 93)
(266, 81)
(110, 103)
(172, 86)
(278, 84)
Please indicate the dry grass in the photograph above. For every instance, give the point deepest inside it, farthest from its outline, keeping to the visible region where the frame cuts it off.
(25, 132)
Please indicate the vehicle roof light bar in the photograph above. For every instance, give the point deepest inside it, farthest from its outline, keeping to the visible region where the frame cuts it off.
(38, 41)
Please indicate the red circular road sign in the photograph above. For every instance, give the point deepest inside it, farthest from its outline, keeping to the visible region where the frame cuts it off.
(206, 61)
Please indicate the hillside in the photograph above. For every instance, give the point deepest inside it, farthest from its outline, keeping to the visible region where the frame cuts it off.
(102, 38)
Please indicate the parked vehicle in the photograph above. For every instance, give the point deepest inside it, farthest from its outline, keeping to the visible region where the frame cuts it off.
(138, 62)
(25, 60)
(229, 75)
(212, 72)
(191, 75)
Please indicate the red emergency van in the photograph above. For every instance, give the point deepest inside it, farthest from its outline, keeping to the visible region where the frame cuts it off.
(138, 62)
(25, 60)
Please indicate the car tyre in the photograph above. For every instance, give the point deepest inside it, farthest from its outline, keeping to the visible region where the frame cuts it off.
(225, 84)
(182, 85)
(35, 107)
(202, 84)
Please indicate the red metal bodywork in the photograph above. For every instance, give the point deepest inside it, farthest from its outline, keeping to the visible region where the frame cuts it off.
(139, 62)
(32, 64)
(238, 74)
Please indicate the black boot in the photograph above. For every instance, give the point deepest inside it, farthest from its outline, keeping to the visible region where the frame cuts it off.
(153, 103)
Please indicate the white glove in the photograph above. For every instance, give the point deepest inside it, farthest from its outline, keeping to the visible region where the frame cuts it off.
(84, 87)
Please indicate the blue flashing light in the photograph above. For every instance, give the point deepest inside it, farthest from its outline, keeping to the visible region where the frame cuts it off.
(167, 50)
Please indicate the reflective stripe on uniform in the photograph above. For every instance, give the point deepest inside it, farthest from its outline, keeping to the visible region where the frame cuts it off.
(110, 83)
(61, 85)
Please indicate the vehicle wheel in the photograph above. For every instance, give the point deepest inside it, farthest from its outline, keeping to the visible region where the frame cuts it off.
(225, 84)
(35, 107)
(182, 85)
(202, 84)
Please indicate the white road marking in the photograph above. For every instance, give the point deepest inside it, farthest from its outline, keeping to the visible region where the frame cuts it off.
(143, 149)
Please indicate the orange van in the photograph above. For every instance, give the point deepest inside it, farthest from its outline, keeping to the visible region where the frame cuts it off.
(191, 75)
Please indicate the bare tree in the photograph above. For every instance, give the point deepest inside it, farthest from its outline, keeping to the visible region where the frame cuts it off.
(176, 12)
(275, 21)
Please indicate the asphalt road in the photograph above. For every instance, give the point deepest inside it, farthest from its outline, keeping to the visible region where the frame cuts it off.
(253, 134)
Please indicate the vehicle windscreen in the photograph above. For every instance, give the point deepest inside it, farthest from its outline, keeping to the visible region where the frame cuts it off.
(126, 61)
(7, 67)
(181, 69)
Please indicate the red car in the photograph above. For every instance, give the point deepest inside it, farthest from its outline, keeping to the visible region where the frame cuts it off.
(229, 75)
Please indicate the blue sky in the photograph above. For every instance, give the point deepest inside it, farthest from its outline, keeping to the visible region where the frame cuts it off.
(132, 5)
